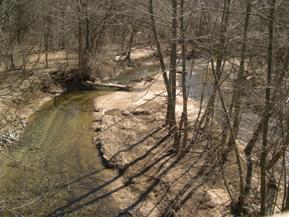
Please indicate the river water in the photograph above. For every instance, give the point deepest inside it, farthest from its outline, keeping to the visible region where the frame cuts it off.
(55, 162)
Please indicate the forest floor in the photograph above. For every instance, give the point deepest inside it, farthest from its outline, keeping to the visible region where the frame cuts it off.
(131, 138)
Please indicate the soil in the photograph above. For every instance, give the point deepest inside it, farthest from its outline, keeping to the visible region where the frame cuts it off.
(132, 138)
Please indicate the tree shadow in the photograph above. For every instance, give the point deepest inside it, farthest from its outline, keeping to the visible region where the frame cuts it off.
(160, 159)
(77, 180)
(85, 199)
(131, 146)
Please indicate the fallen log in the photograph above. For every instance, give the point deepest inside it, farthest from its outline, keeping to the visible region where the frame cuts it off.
(95, 85)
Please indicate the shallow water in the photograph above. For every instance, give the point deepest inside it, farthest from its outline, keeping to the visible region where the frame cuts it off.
(56, 163)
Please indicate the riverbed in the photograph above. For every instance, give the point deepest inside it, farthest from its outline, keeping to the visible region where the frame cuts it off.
(56, 162)
(56, 165)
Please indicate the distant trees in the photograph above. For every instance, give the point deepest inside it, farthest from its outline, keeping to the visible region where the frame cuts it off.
(57, 25)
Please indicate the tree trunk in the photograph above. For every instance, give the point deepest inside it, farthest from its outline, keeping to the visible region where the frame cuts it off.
(12, 64)
(46, 39)
(239, 83)
(129, 47)
(219, 63)
(84, 70)
(173, 65)
(264, 153)
(161, 59)
(238, 93)
(184, 118)
(286, 208)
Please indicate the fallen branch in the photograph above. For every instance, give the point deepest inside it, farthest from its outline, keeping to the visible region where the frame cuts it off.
(95, 85)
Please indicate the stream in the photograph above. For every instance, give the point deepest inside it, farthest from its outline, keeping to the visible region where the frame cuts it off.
(55, 162)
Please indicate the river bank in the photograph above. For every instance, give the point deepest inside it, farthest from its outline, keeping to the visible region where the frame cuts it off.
(15, 116)
(131, 139)
(24, 92)
(62, 174)
(55, 169)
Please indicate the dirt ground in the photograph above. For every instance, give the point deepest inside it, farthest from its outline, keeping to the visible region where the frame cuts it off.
(132, 139)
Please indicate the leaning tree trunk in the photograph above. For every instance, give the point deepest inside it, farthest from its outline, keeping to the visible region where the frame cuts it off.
(238, 93)
(161, 59)
(209, 112)
(239, 83)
